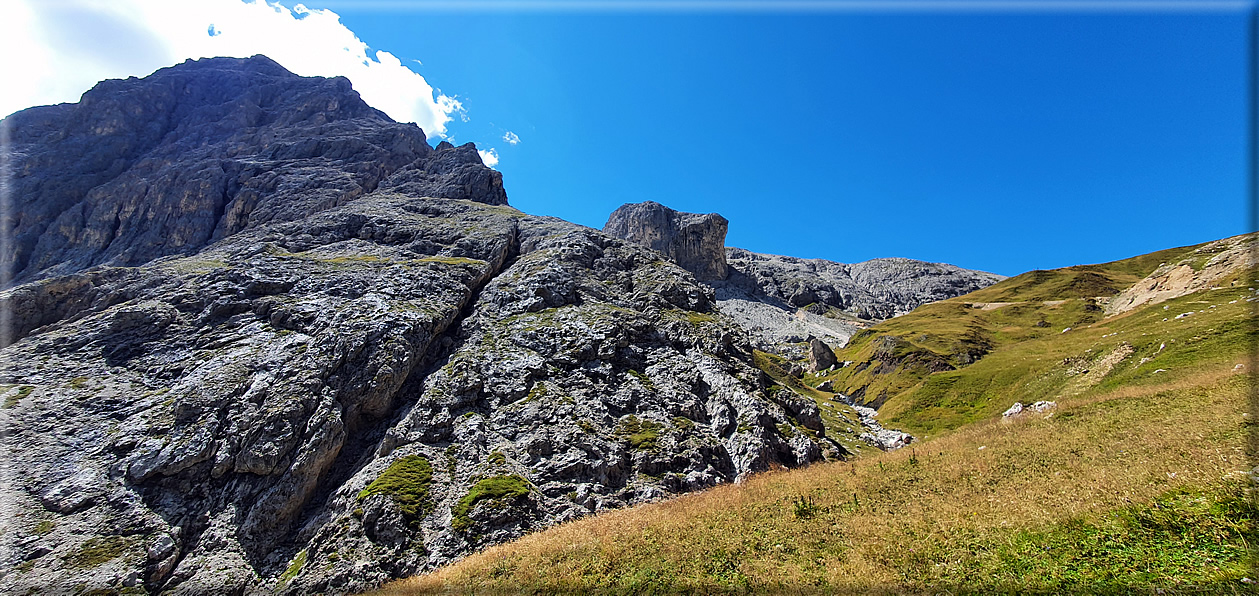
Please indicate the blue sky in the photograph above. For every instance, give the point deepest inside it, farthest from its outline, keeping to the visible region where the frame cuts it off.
(983, 134)
(998, 141)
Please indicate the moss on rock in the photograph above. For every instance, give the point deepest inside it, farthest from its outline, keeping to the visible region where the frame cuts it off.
(493, 488)
(406, 481)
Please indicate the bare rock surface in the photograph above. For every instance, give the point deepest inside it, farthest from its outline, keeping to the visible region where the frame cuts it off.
(872, 290)
(1204, 268)
(785, 300)
(821, 357)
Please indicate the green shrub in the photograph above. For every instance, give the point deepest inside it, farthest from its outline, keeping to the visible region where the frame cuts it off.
(805, 507)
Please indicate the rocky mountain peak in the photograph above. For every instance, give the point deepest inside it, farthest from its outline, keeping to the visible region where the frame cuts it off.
(166, 164)
(694, 241)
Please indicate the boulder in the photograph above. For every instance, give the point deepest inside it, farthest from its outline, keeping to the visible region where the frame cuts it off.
(821, 356)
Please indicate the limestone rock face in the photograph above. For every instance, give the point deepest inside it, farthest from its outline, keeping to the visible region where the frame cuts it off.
(346, 335)
(696, 242)
(871, 290)
(167, 164)
(784, 300)
(225, 411)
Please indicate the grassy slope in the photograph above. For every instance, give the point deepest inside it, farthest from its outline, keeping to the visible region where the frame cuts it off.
(1134, 482)
(948, 363)
(1061, 504)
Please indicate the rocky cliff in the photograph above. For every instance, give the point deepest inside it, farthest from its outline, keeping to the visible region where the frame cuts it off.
(694, 241)
(872, 290)
(264, 339)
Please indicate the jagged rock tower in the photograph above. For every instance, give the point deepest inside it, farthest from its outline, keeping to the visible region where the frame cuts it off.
(696, 242)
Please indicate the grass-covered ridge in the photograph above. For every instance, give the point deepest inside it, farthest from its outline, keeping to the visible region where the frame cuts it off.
(1037, 336)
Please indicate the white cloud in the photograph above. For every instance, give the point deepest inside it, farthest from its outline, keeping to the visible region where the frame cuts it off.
(511, 138)
(55, 50)
(489, 156)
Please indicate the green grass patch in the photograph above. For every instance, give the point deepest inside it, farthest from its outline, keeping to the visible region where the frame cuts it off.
(779, 369)
(406, 481)
(495, 488)
(965, 359)
(1080, 281)
(13, 394)
(98, 551)
(690, 316)
(643, 379)
(451, 260)
(1186, 538)
(294, 568)
(643, 435)
(538, 391)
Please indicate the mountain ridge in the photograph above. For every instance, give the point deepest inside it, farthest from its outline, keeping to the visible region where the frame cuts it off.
(143, 168)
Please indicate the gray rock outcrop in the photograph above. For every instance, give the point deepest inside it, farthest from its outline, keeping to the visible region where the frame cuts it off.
(872, 290)
(786, 300)
(696, 242)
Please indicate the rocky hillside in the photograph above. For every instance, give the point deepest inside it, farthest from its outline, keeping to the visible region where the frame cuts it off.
(873, 290)
(264, 338)
(785, 300)
(1082, 430)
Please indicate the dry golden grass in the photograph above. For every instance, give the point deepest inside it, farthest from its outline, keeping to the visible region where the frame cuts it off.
(893, 522)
